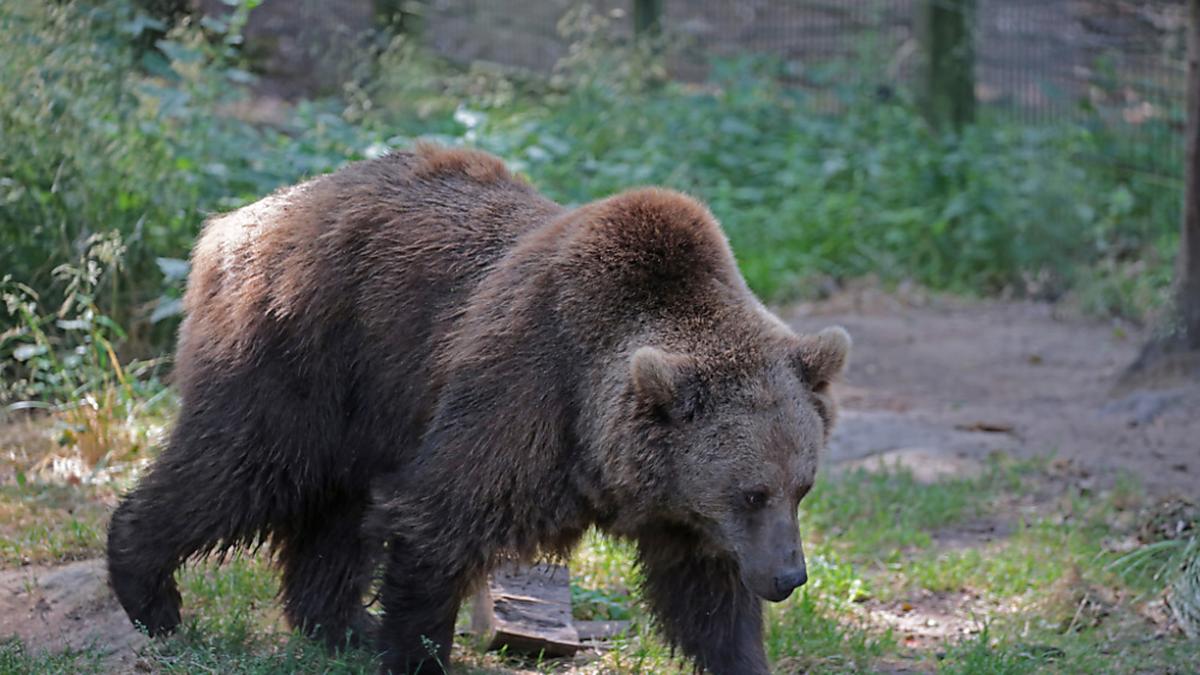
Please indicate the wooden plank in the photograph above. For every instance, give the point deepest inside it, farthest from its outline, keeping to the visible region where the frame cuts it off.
(526, 609)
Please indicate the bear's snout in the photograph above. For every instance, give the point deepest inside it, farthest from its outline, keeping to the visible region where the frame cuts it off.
(788, 581)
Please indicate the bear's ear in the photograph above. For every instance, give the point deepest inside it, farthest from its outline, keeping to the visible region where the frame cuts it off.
(821, 358)
(662, 382)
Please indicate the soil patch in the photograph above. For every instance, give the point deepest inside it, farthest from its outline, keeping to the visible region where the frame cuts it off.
(56, 608)
(941, 384)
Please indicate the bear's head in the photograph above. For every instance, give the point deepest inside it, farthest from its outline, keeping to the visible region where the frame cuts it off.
(741, 444)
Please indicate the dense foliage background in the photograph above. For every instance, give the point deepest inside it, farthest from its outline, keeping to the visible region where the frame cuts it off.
(103, 131)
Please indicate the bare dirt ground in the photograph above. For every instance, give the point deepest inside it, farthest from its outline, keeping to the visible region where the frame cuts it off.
(936, 385)
(54, 608)
(939, 385)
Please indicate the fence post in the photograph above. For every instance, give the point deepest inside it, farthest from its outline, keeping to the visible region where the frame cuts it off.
(399, 16)
(647, 18)
(1187, 292)
(1175, 351)
(947, 78)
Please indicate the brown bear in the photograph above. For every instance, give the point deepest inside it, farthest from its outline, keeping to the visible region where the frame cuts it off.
(419, 362)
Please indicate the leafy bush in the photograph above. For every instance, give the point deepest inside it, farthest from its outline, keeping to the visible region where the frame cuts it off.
(86, 152)
(58, 356)
(867, 190)
(100, 137)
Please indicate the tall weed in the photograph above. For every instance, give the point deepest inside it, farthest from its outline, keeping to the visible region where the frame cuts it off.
(66, 361)
(98, 136)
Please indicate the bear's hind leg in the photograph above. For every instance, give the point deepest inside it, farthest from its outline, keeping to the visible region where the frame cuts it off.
(140, 571)
(170, 516)
(326, 572)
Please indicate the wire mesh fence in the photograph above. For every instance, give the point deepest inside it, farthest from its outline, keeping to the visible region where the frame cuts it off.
(1116, 63)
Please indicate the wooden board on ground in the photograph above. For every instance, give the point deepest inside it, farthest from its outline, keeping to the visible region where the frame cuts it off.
(526, 609)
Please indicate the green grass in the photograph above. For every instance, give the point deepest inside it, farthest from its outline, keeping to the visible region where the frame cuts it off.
(1080, 652)
(47, 524)
(981, 656)
(15, 659)
(602, 576)
(1010, 567)
(194, 650)
(810, 633)
(1048, 594)
(882, 513)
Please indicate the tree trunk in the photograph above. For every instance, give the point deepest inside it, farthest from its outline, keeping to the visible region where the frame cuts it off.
(647, 18)
(398, 16)
(1174, 354)
(947, 83)
(1187, 289)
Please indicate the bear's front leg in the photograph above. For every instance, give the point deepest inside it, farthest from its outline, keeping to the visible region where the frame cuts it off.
(422, 590)
(702, 606)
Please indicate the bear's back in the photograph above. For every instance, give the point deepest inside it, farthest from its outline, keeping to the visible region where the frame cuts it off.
(384, 244)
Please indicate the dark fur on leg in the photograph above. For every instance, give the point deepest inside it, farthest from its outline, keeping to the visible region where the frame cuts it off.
(156, 528)
(433, 562)
(421, 596)
(701, 605)
(326, 565)
(142, 579)
(175, 513)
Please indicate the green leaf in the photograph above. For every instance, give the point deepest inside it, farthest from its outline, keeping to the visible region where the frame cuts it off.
(173, 269)
(26, 352)
(166, 308)
(74, 324)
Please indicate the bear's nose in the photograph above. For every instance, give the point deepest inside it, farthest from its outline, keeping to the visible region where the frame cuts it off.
(786, 582)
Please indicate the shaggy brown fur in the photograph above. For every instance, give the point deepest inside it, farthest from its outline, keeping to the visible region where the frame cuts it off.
(423, 344)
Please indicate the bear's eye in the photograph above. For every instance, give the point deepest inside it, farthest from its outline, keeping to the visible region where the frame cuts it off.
(756, 498)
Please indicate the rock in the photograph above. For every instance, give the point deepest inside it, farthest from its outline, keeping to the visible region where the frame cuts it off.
(1142, 407)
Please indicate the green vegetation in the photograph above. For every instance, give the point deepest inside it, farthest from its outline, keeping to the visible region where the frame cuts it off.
(1045, 594)
(869, 192)
(887, 511)
(100, 136)
(49, 523)
(16, 660)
